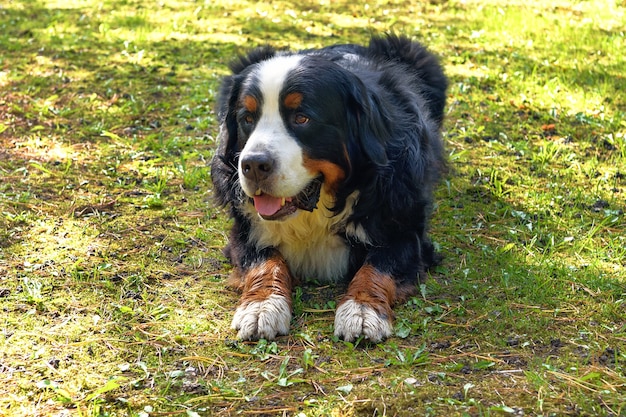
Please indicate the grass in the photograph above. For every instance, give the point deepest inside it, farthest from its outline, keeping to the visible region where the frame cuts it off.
(111, 273)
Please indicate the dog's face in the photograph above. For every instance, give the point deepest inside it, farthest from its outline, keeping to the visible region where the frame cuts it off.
(292, 127)
(292, 133)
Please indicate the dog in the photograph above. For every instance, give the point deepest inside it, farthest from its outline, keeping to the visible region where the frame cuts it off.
(328, 159)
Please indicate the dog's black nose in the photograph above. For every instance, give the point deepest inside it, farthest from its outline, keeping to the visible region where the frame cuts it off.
(257, 166)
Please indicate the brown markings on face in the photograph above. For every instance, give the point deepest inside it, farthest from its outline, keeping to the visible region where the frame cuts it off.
(374, 288)
(250, 104)
(333, 173)
(293, 100)
(268, 277)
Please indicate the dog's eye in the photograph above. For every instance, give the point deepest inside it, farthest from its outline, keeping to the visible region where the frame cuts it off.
(248, 119)
(301, 119)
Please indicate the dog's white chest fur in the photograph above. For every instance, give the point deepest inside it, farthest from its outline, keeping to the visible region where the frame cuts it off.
(308, 240)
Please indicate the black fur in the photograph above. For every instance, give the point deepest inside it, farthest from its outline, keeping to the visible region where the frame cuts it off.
(385, 104)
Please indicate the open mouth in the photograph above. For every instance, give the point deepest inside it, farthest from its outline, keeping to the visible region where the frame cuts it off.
(275, 208)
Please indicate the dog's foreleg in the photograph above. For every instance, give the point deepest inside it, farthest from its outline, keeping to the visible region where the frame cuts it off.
(264, 311)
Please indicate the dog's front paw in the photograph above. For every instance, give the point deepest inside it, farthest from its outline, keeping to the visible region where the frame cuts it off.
(354, 319)
(262, 319)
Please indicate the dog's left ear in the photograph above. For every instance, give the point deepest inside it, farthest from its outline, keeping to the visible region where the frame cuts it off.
(369, 121)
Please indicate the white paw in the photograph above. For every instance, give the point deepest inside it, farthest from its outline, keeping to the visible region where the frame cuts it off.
(262, 319)
(354, 319)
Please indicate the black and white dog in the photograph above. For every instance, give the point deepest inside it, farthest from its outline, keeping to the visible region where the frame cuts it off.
(328, 159)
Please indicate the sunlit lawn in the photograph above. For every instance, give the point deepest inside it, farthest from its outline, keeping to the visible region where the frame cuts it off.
(111, 274)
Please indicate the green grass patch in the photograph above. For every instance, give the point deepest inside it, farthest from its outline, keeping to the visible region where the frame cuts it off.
(111, 274)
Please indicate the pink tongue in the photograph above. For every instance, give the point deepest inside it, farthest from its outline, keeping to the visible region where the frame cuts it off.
(267, 205)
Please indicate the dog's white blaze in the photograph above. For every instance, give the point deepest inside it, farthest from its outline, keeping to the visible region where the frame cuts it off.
(262, 319)
(354, 319)
(270, 134)
(308, 240)
(272, 75)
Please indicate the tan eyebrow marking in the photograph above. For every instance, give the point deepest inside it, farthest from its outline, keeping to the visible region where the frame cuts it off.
(293, 100)
(250, 103)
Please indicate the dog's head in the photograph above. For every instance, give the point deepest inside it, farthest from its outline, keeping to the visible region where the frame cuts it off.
(293, 124)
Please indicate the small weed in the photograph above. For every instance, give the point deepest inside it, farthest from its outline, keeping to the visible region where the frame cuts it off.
(297, 303)
(403, 328)
(192, 176)
(498, 182)
(308, 358)
(61, 395)
(546, 154)
(285, 378)
(156, 188)
(263, 350)
(406, 357)
(32, 288)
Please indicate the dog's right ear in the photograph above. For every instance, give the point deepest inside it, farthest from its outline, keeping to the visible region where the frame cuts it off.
(224, 162)
(227, 107)
(228, 136)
